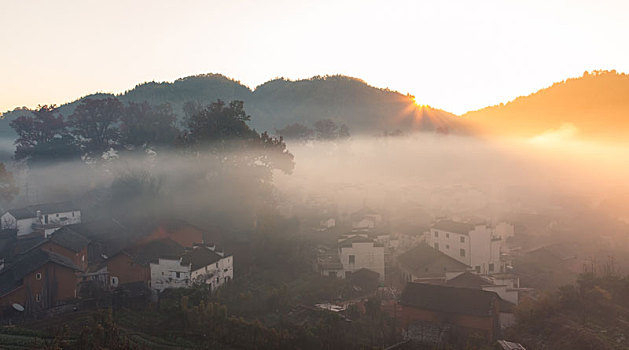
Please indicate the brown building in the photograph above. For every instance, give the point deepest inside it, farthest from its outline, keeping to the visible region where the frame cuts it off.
(448, 309)
(70, 244)
(132, 265)
(179, 231)
(37, 280)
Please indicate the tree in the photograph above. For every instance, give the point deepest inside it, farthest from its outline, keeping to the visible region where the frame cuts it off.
(326, 129)
(296, 131)
(42, 127)
(218, 123)
(8, 189)
(144, 125)
(64, 148)
(93, 124)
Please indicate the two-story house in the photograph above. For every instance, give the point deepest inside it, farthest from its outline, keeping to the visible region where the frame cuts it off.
(41, 218)
(360, 251)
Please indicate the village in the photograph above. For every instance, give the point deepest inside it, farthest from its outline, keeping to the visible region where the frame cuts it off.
(453, 277)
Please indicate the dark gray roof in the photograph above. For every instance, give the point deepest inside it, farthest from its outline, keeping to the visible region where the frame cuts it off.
(423, 257)
(150, 252)
(200, 257)
(468, 280)
(453, 300)
(47, 208)
(11, 276)
(107, 237)
(357, 239)
(453, 226)
(70, 239)
(21, 213)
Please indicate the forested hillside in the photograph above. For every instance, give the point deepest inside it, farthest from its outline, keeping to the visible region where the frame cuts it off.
(595, 105)
(274, 105)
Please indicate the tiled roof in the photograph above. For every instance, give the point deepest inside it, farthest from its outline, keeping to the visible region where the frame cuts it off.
(357, 239)
(46, 208)
(150, 252)
(454, 300)
(453, 226)
(70, 239)
(468, 280)
(200, 257)
(423, 257)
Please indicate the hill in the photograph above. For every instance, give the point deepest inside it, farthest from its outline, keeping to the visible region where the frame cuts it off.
(594, 106)
(277, 103)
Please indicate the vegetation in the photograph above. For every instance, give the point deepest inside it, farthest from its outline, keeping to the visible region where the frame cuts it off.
(593, 313)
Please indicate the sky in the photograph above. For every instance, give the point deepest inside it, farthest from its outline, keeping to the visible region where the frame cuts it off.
(456, 55)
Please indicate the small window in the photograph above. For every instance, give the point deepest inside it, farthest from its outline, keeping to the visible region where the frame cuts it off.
(57, 215)
(72, 214)
(462, 239)
(38, 276)
(477, 269)
(447, 246)
(352, 259)
(462, 252)
(178, 274)
(37, 297)
(437, 246)
(436, 233)
(491, 267)
(447, 235)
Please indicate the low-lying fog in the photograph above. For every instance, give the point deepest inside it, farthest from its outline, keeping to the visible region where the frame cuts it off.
(410, 179)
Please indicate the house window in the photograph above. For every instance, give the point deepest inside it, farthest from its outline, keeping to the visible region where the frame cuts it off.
(477, 269)
(462, 252)
(72, 214)
(178, 274)
(331, 274)
(37, 297)
(491, 267)
(447, 246)
(352, 259)
(436, 234)
(437, 246)
(38, 276)
(57, 215)
(447, 235)
(114, 281)
(46, 219)
(462, 239)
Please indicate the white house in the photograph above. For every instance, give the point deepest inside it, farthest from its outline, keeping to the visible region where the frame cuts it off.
(169, 273)
(475, 245)
(201, 264)
(359, 251)
(209, 265)
(44, 218)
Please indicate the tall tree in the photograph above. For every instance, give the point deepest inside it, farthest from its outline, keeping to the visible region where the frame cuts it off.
(42, 127)
(94, 124)
(326, 129)
(145, 125)
(218, 123)
(296, 131)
